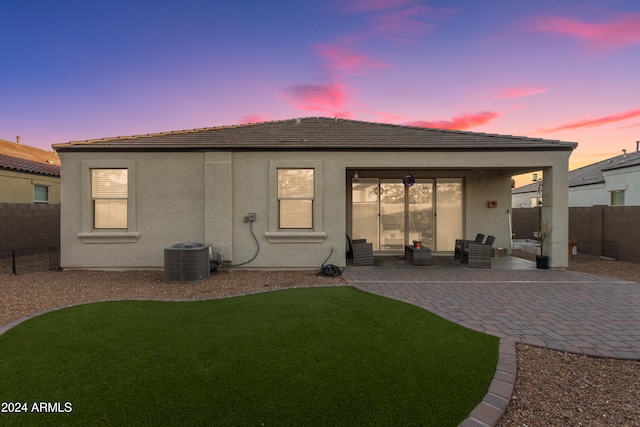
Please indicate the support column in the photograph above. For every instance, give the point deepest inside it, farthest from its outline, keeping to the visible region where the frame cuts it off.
(555, 214)
(218, 192)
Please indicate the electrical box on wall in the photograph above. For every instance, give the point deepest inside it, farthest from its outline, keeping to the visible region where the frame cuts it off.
(250, 217)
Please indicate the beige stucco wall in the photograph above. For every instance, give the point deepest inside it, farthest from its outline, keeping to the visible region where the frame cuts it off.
(169, 207)
(204, 197)
(17, 187)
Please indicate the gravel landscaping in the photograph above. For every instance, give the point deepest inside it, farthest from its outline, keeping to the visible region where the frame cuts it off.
(552, 388)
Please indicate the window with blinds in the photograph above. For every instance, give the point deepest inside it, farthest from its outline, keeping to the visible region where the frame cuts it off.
(109, 193)
(295, 198)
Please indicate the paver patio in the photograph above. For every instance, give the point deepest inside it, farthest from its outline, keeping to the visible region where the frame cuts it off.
(557, 309)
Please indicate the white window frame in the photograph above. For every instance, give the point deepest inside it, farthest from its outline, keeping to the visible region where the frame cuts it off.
(275, 234)
(89, 234)
(108, 199)
(48, 187)
(284, 199)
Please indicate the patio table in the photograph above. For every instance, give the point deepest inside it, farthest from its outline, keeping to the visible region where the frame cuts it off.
(418, 256)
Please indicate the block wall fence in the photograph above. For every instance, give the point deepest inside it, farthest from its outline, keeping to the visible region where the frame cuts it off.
(610, 231)
(28, 228)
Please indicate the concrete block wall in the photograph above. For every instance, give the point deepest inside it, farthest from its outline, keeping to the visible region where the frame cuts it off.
(621, 233)
(524, 221)
(28, 226)
(610, 231)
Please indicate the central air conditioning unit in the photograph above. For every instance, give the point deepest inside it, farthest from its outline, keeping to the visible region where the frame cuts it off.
(186, 262)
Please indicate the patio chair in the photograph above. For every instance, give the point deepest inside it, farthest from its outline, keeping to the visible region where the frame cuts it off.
(478, 255)
(361, 251)
(457, 254)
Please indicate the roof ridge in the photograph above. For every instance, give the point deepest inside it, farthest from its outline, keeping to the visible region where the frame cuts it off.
(172, 132)
(608, 160)
(300, 120)
(456, 131)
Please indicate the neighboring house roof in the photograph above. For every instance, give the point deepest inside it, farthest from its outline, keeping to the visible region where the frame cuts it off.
(590, 174)
(527, 188)
(316, 133)
(23, 158)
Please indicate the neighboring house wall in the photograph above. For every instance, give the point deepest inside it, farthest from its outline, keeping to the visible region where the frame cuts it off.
(627, 179)
(594, 184)
(204, 196)
(521, 200)
(17, 187)
(589, 195)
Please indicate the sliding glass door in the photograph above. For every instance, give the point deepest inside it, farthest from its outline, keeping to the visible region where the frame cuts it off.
(420, 209)
(365, 211)
(449, 213)
(391, 215)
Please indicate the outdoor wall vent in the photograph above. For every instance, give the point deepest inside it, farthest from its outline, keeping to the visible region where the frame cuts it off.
(186, 262)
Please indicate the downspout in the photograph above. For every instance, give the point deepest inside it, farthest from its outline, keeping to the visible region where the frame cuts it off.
(510, 230)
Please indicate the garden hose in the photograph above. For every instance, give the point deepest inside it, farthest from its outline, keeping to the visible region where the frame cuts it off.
(329, 270)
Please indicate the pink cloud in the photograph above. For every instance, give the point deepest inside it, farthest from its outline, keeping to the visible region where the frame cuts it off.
(516, 92)
(329, 97)
(341, 58)
(588, 123)
(254, 118)
(466, 121)
(624, 31)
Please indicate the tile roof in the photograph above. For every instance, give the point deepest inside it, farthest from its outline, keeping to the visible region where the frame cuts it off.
(23, 158)
(527, 188)
(315, 133)
(591, 174)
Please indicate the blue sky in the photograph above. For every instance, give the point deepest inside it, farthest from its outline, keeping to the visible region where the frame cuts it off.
(568, 70)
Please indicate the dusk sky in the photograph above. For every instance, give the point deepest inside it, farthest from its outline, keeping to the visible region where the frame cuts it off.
(556, 69)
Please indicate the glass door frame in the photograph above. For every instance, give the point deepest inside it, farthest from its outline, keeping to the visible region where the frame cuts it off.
(393, 228)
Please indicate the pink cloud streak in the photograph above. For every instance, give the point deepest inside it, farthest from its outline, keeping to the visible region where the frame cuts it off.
(329, 98)
(588, 123)
(516, 92)
(625, 31)
(466, 121)
(254, 118)
(341, 58)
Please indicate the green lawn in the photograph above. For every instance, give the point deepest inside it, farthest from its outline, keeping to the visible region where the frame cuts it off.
(319, 356)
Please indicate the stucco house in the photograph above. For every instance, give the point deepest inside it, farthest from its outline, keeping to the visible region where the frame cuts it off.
(307, 182)
(611, 182)
(28, 174)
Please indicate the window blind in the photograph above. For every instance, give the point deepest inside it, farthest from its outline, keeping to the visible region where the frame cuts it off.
(296, 214)
(295, 197)
(109, 191)
(109, 183)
